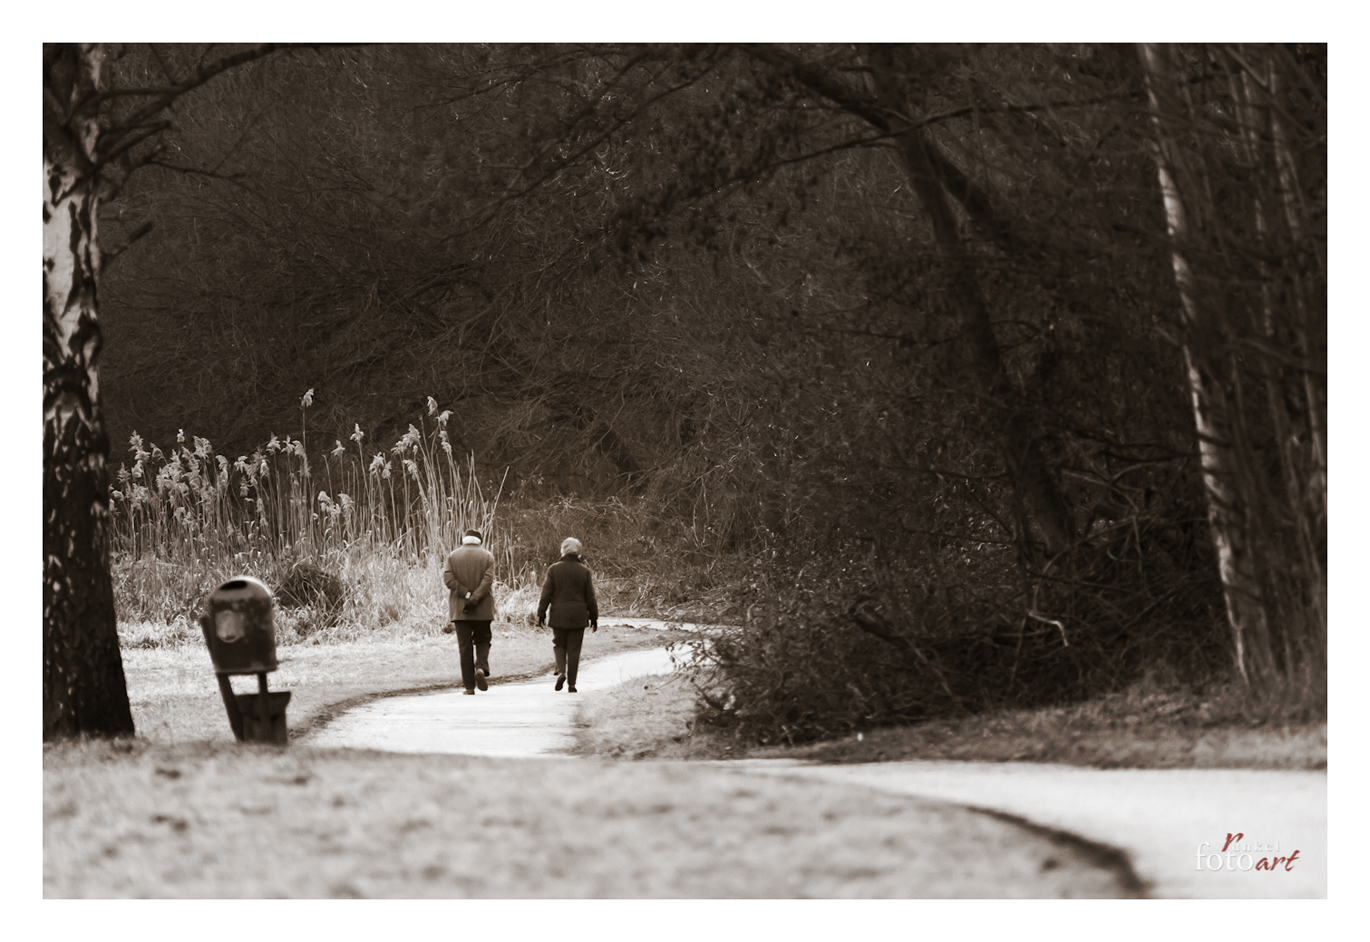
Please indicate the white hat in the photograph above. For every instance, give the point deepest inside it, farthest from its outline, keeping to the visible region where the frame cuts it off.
(570, 545)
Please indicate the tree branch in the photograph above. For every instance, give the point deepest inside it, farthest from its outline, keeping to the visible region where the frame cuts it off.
(130, 142)
(107, 258)
(115, 135)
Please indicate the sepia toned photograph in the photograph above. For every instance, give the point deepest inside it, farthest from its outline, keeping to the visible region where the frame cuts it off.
(685, 471)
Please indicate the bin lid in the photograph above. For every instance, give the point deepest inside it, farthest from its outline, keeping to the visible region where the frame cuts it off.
(241, 589)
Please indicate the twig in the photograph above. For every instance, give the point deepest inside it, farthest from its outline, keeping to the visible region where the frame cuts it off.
(108, 258)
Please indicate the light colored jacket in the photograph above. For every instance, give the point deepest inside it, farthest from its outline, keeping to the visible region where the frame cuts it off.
(470, 574)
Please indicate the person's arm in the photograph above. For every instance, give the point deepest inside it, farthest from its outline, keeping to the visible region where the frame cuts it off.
(546, 598)
(487, 582)
(449, 579)
(590, 601)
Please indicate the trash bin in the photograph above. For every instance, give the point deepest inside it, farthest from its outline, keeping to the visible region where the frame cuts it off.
(241, 634)
(239, 628)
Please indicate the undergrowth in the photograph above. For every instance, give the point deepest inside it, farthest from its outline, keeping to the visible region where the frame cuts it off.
(856, 639)
(353, 547)
(829, 641)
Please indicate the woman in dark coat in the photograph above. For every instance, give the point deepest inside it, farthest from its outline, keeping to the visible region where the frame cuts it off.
(570, 591)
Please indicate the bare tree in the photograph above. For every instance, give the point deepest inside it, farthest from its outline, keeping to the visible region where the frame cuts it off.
(1240, 149)
(889, 108)
(87, 154)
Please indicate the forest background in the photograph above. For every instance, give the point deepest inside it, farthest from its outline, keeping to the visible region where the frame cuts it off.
(899, 358)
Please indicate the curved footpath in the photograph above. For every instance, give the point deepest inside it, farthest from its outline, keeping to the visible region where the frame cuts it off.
(515, 720)
(1161, 818)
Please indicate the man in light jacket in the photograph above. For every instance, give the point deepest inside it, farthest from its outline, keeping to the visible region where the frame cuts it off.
(570, 593)
(469, 576)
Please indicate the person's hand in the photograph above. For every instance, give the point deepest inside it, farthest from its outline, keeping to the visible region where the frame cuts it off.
(469, 607)
(594, 626)
(541, 622)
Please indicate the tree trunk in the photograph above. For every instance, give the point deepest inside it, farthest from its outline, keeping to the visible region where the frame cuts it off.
(1251, 274)
(1033, 485)
(83, 676)
(1031, 479)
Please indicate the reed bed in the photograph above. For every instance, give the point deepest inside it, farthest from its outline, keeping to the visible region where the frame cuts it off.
(350, 538)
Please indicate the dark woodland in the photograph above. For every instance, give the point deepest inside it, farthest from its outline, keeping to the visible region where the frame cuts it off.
(970, 376)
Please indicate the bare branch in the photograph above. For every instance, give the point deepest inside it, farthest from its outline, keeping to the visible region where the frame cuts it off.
(107, 258)
(115, 136)
(130, 142)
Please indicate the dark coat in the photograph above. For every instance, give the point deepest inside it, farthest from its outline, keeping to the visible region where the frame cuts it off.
(470, 568)
(570, 590)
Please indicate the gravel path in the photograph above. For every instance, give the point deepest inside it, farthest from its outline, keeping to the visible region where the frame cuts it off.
(1158, 817)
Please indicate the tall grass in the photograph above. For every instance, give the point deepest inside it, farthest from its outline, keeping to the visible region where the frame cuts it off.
(377, 521)
(360, 533)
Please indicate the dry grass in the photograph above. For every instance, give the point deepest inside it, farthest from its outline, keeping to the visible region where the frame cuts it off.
(1149, 725)
(1146, 726)
(1045, 738)
(649, 717)
(187, 517)
(375, 523)
(138, 819)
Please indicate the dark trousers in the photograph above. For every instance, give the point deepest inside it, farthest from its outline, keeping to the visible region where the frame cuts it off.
(566, 645)
(469, 634)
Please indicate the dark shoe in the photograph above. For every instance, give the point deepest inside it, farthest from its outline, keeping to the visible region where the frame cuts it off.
(571, 689)
(480, 680)
(561, 680)
(470, 692)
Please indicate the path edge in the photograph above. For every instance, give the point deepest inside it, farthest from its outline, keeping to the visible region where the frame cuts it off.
(1104, 856)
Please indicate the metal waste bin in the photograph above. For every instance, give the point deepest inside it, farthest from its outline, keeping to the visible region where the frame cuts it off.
(240, 629)
(241, 634)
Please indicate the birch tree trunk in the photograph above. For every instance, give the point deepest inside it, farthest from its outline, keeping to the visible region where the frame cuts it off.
(1251, 274)
(83, 677)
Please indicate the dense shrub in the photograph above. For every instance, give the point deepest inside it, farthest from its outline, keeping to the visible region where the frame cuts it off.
(855, 636)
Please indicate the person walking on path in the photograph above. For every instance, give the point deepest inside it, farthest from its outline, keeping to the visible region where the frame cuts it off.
(469, 576)
(570, 591)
